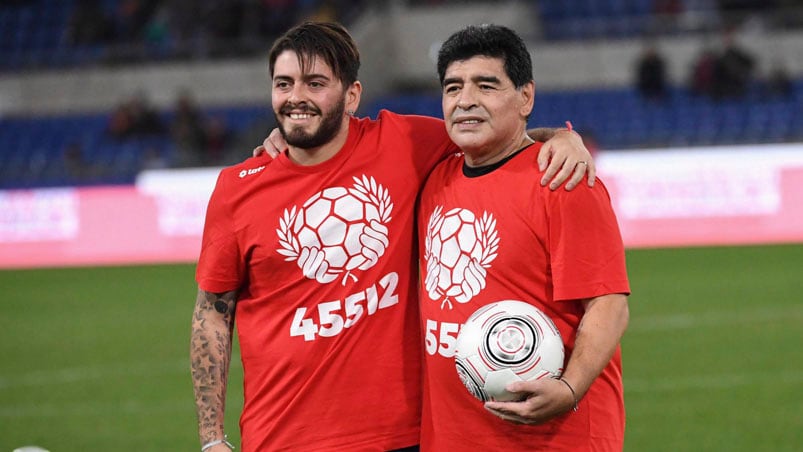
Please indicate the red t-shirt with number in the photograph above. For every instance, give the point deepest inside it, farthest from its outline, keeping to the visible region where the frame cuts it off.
(548, 248)
(324, 262)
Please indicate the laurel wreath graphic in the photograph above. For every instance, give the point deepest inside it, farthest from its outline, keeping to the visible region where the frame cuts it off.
(290, 248)
(434, 224)
(365, 189)
(489, 239)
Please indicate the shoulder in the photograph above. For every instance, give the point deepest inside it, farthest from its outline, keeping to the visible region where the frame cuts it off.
(404, 123)
(447, 168)
(451, 163)
(524, 164)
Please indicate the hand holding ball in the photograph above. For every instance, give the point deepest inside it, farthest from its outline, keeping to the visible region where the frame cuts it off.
(503, 342)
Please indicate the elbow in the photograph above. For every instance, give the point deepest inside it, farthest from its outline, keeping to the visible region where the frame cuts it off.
(624, 315)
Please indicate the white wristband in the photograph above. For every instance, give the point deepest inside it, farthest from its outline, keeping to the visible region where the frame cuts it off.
(216, 442)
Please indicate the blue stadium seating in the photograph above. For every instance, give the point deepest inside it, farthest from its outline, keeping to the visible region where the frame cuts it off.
(620, 119)
(32, 149)
(32, 34)
(584, 19)
(35, 34)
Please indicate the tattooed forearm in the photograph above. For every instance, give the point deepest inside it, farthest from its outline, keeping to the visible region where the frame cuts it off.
(210, 355)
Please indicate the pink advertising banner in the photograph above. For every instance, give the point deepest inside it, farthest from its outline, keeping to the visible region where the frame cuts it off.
(663, 198)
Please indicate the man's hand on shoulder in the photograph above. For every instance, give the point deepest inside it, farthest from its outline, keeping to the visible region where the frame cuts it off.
(564, 157)
(273, 145)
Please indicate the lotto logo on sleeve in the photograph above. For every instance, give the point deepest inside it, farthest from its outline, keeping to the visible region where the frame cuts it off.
(459, 248)
(337, 231)
(251, 171)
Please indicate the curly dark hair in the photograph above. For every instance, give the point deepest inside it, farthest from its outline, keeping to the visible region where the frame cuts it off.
(493, 41)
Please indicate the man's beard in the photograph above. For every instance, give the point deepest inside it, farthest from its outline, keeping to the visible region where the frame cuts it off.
(330, 125)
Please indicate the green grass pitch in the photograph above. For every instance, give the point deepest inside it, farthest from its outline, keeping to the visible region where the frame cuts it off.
(95, 359)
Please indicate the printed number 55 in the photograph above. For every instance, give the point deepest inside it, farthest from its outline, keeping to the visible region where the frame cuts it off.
(445, 345)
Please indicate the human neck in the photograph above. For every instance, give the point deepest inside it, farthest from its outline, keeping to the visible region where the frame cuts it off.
(320, 154)
(474, 159)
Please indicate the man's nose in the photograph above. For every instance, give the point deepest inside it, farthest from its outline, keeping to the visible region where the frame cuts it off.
(467, 98)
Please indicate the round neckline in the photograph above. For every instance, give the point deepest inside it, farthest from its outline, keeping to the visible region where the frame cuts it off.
(477, 171)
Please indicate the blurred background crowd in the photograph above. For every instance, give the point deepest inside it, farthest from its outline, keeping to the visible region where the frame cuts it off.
(669, 73)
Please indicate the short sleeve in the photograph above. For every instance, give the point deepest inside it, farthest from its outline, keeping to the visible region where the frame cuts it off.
(220, 263)
(585, 244)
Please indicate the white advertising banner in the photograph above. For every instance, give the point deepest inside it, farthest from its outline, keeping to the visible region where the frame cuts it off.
(707, 196)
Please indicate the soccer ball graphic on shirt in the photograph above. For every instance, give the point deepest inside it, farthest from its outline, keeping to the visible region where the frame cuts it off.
(459, 248)
(337, 231)
(503, 342)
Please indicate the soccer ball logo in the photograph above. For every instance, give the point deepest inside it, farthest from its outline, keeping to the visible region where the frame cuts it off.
(337, 231)
(506, 341)
(459, 248)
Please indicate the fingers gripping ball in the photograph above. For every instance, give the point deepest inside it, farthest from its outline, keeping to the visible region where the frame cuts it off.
(504, 342)
(374, 240)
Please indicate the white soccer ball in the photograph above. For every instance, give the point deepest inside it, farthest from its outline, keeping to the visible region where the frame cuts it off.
(454, 245)
(503, 342)
(332, 221)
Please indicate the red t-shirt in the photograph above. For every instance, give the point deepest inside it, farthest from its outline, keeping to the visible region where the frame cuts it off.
(548, 248)
(325, 265)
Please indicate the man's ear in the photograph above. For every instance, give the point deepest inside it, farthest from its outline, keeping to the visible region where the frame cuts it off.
(527, 93)
(353, 94)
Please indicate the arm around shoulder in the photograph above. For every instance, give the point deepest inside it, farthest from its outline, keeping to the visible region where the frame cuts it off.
(563, 158)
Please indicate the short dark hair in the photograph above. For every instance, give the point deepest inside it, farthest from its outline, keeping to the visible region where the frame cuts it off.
(328, 41)
(493, 41)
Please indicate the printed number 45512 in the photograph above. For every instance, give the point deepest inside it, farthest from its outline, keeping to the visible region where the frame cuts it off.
(332, 322)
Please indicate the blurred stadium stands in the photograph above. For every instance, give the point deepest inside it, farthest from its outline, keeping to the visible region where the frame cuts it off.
(40, 36)
(65, 33)
(622, 119)
(34, 151)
